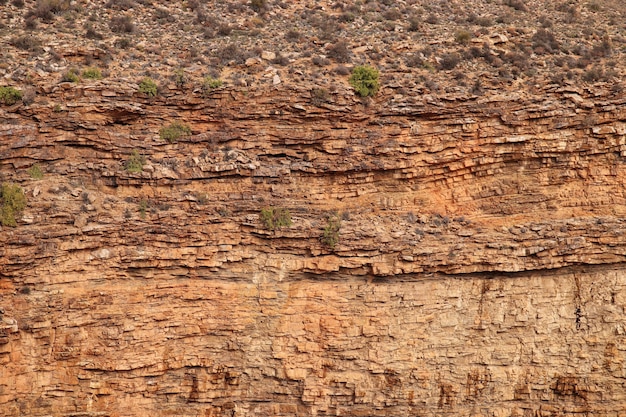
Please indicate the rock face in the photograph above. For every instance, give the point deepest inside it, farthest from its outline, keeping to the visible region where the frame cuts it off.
(478, 269)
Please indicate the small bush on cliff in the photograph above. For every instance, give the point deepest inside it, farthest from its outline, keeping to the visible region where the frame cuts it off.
(92, 73)
(47, 9)
(364, 80)
(135, 162)
(174, 131)
(71, 76)
(148, 87)
(9, 95)
(122, 24)
(13, 202)
(330, 237)
(275, 218)
(35, 172)
(209, 84)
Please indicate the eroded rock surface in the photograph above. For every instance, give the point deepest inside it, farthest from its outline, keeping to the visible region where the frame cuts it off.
(478, 268)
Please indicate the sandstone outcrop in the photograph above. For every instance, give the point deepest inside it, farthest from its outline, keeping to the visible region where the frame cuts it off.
(478, 270)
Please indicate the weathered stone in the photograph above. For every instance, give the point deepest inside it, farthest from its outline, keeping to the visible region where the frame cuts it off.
(479, 256)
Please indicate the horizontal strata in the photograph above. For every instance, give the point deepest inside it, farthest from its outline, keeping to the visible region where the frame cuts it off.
(168, 344)
(478, 268)
(435, 184)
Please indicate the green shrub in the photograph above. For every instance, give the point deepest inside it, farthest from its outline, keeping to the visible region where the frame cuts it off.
(135, 162)
(275, 218)
(92, 73)
(174, 131)
(180, 78)
(364, 80)
(148, 87)
(35, 172)
(143, 207)
(9, 95)
(463, 37)
(13, 202)
(71, 76)
(209, 84)
(330, 237)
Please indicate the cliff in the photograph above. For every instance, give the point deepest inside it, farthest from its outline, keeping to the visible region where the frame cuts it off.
(434, 251)
(478, 265)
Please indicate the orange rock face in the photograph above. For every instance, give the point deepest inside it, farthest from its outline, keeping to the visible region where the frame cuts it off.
(476, 265)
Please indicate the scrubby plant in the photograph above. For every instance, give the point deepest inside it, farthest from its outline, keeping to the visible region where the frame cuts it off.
(122, 43)
(364, 80)
(143, 207)
(449, 61)
(414, 23)
(122, 24)
(330, 236)
(544, 41)
(209, 84)
(12, 202)
(174, 131)
(35, 172)
(148, 86)
(274, 218)
(92, 73)
(463, 37)
(9, 95)
(339, 52)
(70, 76)
(319, 96)
(26, 43)
(517, 5)
(258, 5)
(47, 9)
(180, 78)
(135, 162)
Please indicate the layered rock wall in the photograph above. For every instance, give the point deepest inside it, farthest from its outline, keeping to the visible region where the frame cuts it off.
(478, 268)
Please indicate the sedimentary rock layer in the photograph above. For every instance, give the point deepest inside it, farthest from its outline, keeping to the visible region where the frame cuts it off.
(478, 268)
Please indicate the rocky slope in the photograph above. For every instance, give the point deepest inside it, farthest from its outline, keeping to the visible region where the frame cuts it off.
(456, 250)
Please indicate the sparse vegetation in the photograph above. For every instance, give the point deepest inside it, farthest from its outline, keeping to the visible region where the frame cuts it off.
(339, 52)
(544, 41)
(26, 43)
(209, 84)
(148, 87)
(10, 95)
(258, 5)
(319, 96)
(135, 162)
(35, 172)
(330, 236)
(46, 10)
(122, 24)
(180, 78)
(174, 132)
(70, 76)
(143, 208)
(92, 73)
(449, 61)
(517, 5)
(12, 202)
(274, 218)
(364, 80)
(463, 37)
